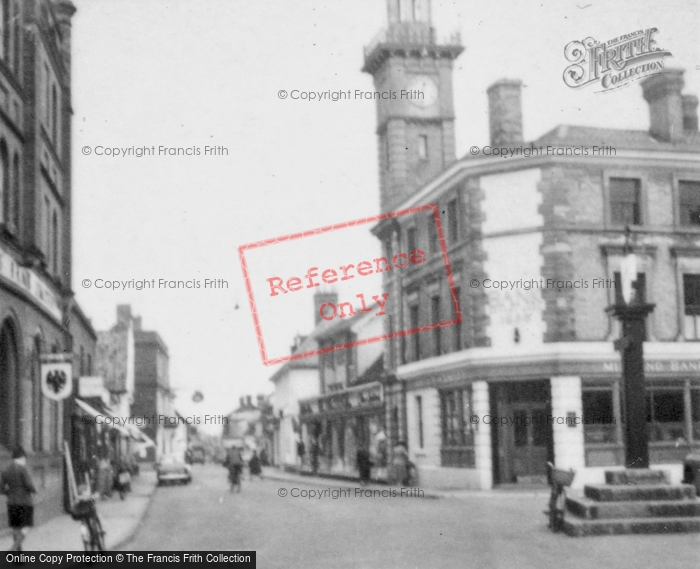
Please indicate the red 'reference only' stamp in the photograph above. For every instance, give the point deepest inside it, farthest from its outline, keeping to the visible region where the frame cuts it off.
(278, 271)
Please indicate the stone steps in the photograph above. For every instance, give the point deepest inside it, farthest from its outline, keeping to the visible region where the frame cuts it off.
(613, 493)
(577, 527)
(633, 502)
(592, 510)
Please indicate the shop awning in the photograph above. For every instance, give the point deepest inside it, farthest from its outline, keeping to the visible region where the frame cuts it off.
(139, 435)
(94, 413)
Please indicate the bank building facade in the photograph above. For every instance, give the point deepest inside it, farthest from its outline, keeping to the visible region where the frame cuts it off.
(535, 245)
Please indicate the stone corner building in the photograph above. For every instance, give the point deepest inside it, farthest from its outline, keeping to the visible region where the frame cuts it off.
(35, 231)
(530, 373)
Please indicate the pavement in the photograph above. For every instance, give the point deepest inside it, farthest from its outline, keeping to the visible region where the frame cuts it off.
(504, 491)
(120, 520)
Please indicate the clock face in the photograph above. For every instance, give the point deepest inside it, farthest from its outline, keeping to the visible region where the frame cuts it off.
(422, 91)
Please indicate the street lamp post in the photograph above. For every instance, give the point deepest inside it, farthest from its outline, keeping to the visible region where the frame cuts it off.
(631, 310)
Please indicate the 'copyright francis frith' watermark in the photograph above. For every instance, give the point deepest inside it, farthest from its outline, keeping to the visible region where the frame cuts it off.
(156, 420)
(570, 420)
(342, 493)
(153, 151)
(154, 284)
(416, 96)
(533, 151)
(614, 63)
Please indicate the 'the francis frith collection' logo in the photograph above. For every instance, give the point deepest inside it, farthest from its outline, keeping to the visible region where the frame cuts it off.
(616, 62)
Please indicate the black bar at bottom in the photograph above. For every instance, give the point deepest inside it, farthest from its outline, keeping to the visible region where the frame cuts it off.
(238, 559)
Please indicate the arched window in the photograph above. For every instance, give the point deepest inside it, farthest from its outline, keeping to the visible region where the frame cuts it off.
(16, 193)
(4, 30)
(54, 237)
(37, 396)
(54, 114)
(16, 48)
(4, 183)
(9, 387)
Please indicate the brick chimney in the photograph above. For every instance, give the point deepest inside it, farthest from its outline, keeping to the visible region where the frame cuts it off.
(690, 113)
(242, 402)
(505, 112)
(123, 314)
(249, 401)
(320, 298)
(663, 93)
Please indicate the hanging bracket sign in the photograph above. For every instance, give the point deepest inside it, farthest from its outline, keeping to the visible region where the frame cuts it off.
(56, 376)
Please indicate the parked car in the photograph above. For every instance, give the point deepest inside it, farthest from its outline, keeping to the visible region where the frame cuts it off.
(172, 469)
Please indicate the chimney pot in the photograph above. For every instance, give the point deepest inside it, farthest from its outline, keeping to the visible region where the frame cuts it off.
(249, 401)
(123, 313)
(242, 402)
(663, 93)
(690, 113)
(505, 112)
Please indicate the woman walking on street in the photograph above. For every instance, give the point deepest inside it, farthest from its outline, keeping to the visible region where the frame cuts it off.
(254, 466)
(16, 483)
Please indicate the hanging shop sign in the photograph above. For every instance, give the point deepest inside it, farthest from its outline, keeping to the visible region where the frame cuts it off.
(56, 376)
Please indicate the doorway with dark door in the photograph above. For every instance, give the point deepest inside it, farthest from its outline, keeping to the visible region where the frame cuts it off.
(522, 432)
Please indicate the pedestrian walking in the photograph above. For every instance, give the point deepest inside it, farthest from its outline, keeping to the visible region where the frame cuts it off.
(315, 452)
(16, 483)
(400, 464)
(234, 464)
(364, 465)
(255, 466)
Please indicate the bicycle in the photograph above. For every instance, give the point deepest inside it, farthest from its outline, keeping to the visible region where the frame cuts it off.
(559, 480)
(93, 536)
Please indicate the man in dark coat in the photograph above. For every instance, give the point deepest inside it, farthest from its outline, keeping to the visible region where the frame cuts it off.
(16, 483)
(254, 466)
(364, 465)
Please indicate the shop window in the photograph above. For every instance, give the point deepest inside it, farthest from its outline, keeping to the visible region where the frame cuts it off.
(625, 202)
(695, 412)
(666, 415)
(598, 416)
(457, 433)
(419, 413)
(691, 317)
(689, 206)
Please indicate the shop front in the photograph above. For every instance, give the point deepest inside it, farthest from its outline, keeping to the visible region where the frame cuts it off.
(335, 427)
(475, 421)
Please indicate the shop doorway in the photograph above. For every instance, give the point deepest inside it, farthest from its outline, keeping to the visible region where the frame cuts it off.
(523, 433)
(9, 387)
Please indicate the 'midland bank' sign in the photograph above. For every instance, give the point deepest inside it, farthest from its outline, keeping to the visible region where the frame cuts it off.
(659, 366)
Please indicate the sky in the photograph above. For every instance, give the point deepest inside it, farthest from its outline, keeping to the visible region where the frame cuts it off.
(192, 74)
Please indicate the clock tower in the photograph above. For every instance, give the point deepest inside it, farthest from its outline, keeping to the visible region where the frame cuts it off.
(412, 74)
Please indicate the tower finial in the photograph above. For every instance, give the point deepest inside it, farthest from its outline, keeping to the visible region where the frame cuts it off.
(409, 11)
